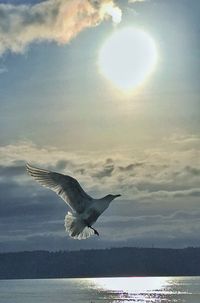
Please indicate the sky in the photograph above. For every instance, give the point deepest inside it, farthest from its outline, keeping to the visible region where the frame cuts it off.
(59, 112)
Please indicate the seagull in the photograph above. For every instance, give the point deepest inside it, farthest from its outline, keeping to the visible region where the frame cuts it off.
(85, 209)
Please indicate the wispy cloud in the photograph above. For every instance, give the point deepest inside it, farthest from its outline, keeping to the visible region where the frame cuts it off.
(133, 1)
(51, 20)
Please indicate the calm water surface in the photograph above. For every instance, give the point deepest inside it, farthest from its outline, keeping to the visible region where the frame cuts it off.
(102, 290)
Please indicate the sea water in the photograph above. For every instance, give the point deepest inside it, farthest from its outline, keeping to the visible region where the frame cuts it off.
(102, 290)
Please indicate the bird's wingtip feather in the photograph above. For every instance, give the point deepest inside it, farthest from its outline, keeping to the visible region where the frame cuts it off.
(29, 166)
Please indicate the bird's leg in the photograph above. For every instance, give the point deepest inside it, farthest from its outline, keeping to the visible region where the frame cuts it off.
(95, 231)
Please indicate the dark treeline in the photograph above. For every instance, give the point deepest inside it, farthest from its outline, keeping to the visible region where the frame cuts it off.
(100, 263)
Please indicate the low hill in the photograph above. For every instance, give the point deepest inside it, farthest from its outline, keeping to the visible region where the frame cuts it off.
(100, 263)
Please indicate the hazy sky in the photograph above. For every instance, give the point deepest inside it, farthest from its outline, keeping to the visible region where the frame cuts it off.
(58, 111)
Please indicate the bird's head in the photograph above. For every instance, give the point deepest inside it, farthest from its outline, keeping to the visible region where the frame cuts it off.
(111, 197)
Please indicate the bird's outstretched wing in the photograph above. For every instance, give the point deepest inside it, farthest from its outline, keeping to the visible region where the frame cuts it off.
(66, 187)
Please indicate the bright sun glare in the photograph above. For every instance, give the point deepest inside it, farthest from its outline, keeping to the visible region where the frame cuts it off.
(128, 57)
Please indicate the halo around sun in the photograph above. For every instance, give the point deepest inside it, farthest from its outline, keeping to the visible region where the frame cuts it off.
(128, 57)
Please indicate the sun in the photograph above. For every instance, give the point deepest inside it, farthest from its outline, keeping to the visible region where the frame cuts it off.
(128, 57)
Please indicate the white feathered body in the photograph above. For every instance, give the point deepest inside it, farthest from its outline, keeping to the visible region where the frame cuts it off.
(77, 225)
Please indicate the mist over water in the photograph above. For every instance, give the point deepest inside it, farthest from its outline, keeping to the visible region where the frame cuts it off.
(112, 290)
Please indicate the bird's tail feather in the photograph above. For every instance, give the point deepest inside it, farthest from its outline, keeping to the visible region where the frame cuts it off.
(76, 227)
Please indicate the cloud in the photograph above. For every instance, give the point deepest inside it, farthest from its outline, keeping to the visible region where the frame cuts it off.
(193, 192)
(152, 175)
(193, 171)
(3, 70)
(130, 167)
(184, 141)
(133, 1)
(51, 20)
(105, 172)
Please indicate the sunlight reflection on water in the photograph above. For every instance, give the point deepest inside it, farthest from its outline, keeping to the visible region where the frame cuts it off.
(146, 289)
(133, 285)
(136, 289)
(102, 290)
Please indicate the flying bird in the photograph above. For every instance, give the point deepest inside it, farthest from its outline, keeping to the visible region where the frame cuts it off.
(85, 209)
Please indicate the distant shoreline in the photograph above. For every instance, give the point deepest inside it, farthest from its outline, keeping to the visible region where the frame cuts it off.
(114, 262)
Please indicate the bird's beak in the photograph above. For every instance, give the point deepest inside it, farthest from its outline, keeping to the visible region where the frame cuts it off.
(116, 196)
